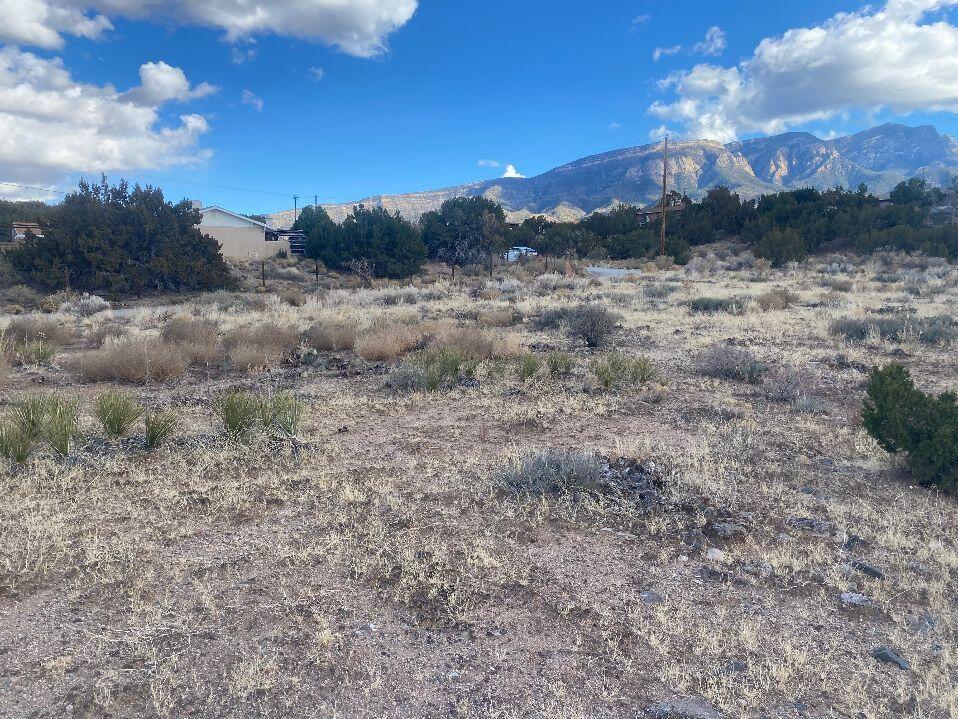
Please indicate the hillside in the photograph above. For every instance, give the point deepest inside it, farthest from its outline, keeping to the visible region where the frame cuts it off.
(880, 157)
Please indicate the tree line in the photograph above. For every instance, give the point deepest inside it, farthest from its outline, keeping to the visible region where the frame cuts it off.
(125, 240)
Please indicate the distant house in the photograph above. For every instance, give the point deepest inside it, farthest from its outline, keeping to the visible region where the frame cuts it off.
(241, 237)
(15, 233)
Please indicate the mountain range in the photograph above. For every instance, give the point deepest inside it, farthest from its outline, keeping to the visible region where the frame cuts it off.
(880, 158)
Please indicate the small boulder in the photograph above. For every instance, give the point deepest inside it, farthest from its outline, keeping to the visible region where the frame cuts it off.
(855, 599)
(890, 656)
(694, 707)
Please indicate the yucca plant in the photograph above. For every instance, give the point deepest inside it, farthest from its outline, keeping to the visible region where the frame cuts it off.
(239, 413)
(117, 413)
(30, 414)
(529, 365)
(287, 414)
(61, 425)
(158, 427)
(15, 444)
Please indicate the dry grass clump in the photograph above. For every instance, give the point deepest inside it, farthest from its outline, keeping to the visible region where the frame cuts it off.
(133, 360)
(552, 471)
(331, 336)
(941, 330)
(257, 347)
(498, 318)
(189, 329)
(777, 299)
(380, 344)
(477, 343)
(99, 335)
(294, 298)
(31, 328)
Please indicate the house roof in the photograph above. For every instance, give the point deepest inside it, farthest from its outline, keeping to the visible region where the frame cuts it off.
(238, 216)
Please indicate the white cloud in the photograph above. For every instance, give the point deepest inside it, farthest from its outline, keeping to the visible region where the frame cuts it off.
(713, 44)
(887, 57)
(660, 52)
(490, 163)
(240, 56)
(511, 171)
(613, 126)
(51, 125)
(161, 83)
(357, 27)
(317, 74)
(251, 98)
(641, 19)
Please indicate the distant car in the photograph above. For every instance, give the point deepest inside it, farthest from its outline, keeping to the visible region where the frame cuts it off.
(515, 253)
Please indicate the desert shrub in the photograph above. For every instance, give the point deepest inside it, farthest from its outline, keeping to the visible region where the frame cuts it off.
(553, 472)
(659, 291)
(158, 427)
(476, 343)
(189, 329)
(710, 305)
(101, 333)
(85, 305)
(133, 360)
(560, 363)
(777, 299)
(723, 360)
(239, 412)
(117, 413)
(592, 324)
(23, 296)
(294, 298)
(927, 330)
(810, 404)
(387, 343)
(904, 419)
(552, 318)
(33, 328)
(249, 358)
(406, 377)
(615, 370)
(497, 318)
(529, 366)
(784, 386)
(837, 284)
(331, 336)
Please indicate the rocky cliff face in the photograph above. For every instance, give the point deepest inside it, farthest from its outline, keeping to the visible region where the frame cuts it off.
(880, 157)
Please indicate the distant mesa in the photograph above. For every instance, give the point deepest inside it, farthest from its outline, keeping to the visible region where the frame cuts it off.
(880, 158)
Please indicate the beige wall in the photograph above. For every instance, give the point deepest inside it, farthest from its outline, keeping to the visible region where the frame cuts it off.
(244, 242)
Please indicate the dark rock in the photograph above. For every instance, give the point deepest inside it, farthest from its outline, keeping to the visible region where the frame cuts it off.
(890, 656)
(870, 570)
(694, 707)
(727, 530)
(733, 667)
(853, 541)
(650, 597)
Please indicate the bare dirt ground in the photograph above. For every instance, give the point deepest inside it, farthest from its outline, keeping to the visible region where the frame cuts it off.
(376, 566)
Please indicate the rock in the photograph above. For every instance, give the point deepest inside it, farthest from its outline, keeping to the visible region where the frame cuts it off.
(870, 570)
(890, 656)
(694, 707)
(650, 597)
(785, 538)
(715, 555)
(727, 530)
(733, 667)
(810, 524)
(855, 599)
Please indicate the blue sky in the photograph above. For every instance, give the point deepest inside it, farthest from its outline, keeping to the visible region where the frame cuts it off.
(400, 96)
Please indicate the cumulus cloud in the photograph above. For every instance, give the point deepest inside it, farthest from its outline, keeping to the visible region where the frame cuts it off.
(251, 98)
(161, 83)
(511, 171)
(357, 27)
(887, 57)
(241, 56)
(713, 44)
(51, 125)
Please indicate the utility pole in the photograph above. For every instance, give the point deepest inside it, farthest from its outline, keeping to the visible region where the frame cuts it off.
(665, 176)
(295, 201)
(315, 200)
